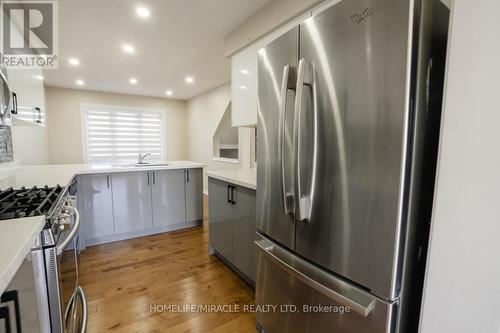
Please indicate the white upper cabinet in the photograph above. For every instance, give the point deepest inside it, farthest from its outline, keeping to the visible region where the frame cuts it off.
(244, 87)
(27, 84)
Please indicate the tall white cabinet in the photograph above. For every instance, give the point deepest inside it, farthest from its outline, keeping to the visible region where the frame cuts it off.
(244, 77)
(244, 87)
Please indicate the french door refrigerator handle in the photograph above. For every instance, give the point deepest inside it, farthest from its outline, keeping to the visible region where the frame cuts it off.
(281, 135)
(286, 263)
(304, 78)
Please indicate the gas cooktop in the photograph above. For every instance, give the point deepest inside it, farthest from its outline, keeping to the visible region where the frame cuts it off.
(25, 202)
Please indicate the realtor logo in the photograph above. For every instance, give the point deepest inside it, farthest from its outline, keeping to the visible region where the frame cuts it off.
(29, 32)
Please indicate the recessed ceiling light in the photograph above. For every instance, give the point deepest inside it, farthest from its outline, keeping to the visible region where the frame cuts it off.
(169, 92)
(38, 77)
(132, 80)
(244, 71)
(143, 12)
(189, 79)
(74, 61)
(80, 82)
(127, 48)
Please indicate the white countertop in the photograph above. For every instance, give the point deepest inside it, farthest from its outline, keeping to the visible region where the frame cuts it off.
(242, 177)
(17, 237)
(51, 175)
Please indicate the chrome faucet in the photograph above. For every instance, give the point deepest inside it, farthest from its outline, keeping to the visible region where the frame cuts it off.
(142, 157)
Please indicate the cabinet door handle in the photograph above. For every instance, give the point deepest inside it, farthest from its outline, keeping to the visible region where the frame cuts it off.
(148, 179)
(14, 103)
(154, 178)
(232, 194)
(229, 200)
(187, 175)
(107, 180)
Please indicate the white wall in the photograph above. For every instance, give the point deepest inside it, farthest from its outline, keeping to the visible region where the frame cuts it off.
(65, 127)
(462, 288)
(204, 113)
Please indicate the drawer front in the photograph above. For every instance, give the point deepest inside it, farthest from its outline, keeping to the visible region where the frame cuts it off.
(323, 303)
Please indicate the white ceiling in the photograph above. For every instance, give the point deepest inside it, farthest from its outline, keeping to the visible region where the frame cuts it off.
(181, 38)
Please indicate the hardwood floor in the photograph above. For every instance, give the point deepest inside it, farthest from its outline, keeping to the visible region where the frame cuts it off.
(122, 280)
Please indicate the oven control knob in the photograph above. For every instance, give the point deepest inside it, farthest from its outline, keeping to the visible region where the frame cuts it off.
(64, 225)
(67, 210)
(71, 200)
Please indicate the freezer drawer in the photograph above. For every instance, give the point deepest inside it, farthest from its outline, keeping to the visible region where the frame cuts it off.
(324, 303)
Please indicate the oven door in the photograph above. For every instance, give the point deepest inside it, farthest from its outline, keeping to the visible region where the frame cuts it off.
(73, 299)
(68, 276)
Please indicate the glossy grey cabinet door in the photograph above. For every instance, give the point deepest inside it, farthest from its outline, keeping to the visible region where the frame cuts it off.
(96, 203)
(132, 201)
(194, 194)
(221, 215)
(244, 230)
(168, 197)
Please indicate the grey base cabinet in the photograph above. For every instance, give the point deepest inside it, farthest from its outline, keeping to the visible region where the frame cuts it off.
(194, 194)
(96, 205)
(125, 205)
(220, 219)
(168, 191)
(132, 201)
(232, 229)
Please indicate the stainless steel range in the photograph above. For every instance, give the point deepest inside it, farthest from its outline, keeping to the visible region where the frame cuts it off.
(49, 274)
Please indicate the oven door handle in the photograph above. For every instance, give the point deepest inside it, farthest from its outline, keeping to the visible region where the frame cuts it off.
(69, 307)
(71, 304)
(74, 230)
(85, 314)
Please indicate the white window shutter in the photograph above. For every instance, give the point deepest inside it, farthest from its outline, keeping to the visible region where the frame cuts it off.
(115, 135)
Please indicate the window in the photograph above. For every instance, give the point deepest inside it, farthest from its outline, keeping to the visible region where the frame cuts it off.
(119, 134)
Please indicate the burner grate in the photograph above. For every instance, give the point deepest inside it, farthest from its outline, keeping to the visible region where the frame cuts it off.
(25, 202)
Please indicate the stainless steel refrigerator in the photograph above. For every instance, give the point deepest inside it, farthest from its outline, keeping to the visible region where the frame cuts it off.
(348, 128)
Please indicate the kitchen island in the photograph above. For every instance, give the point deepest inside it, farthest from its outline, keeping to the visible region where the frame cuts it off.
(61, 174)
(119, 202)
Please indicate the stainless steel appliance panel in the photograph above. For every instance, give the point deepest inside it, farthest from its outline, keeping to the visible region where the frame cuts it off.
(276, 69)
(350, 133)
(22, 307)
(284, 280)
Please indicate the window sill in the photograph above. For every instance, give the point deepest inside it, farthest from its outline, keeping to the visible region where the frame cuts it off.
(226, 160)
